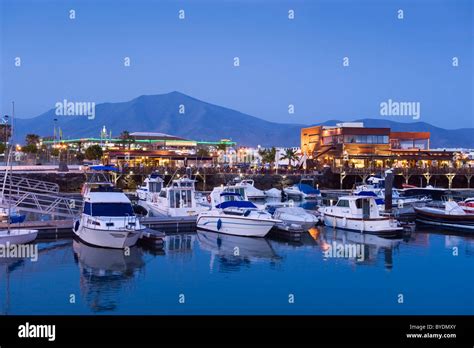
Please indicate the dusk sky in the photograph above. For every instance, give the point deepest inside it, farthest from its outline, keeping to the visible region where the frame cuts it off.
(282, 61)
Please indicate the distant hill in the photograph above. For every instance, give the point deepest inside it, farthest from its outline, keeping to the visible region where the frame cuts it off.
(204, 121)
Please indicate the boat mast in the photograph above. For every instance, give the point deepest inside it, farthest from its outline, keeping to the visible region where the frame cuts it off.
(11, 165)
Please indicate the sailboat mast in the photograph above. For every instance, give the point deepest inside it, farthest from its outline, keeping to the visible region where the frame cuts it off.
(11, 166)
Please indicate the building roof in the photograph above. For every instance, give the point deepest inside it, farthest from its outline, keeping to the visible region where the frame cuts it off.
(154, 135)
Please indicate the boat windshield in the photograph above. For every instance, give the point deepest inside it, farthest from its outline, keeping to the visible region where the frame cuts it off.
(108, 209)
(239, 190)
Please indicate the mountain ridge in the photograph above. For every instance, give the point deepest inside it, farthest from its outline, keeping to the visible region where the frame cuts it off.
(160, 113)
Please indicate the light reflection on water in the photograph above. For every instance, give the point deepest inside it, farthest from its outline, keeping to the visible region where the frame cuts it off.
(229, 274)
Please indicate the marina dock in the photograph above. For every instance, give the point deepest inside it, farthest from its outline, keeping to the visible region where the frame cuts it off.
(63, 228)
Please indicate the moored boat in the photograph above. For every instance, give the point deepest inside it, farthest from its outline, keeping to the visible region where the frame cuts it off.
(235, 216)
(292, 217)
(359, 213)
(107, 219)
(250, 190)
(467, 205)
(177, 199)
(452, 215)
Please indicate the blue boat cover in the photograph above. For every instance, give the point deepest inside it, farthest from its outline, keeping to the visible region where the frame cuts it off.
(16, 219)
(367, 193)
(107, 168)
(236, 204)
(305, 188)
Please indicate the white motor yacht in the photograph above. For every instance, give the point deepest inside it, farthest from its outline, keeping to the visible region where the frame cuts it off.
(358, 213)
(235, 216)
(107, 219)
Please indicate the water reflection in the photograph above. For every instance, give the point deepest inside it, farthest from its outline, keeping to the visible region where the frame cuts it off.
(103, 272)
(369, 245)
(233, 252)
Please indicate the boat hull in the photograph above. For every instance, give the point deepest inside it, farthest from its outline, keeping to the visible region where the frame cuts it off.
(380, 226)
(235, 225)
(116, 239)
(431, 217)
(176, 212)
(17, 236)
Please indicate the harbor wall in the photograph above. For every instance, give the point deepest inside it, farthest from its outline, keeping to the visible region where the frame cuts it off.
(72, 181)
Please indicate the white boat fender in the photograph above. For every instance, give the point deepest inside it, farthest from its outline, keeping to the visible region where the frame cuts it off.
(344, 221)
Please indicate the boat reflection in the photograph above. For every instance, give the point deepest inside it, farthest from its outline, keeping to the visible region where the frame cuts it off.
(365, 248)
(234, 252)
(103, 272)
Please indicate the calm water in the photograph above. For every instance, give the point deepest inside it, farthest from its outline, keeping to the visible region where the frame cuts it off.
(204, 269)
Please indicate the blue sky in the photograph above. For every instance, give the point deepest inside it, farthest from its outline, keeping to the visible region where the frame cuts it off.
(282, 61)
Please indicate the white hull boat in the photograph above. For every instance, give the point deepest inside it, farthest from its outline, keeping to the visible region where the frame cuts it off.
(178, 199)
(107, 219)
(235, 216)
(251, 191)
(358, 213)
(292, 217)
(17, 236)
(117, 238)
(273, 193)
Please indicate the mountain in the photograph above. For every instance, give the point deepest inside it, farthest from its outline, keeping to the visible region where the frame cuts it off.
(204, 121)
(160, 113)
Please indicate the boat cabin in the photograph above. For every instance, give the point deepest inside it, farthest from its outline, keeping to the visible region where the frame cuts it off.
(361, 207)
(178, 197)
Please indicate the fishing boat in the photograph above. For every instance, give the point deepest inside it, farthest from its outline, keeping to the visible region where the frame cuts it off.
(358, 213)
(107, 219)
(251, 191)
(452, 215)
(177, 199)
(235, 216)
(151, 185)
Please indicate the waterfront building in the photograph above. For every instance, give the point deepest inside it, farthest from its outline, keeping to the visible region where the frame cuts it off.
(140, 149)
(350, 144)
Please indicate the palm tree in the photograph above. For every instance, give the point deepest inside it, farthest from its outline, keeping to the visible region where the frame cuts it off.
(290, 155)
(126, 138)
(268, 155)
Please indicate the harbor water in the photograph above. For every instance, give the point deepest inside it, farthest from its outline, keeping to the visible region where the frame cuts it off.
(426, 272)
